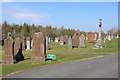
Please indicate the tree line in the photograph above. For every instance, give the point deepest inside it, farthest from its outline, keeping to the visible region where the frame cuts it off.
(26, 30)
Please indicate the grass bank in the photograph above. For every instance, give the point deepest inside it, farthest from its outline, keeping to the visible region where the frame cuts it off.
(111, 47)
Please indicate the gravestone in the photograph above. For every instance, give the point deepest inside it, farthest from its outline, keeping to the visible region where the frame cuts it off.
(61, 40)
(23, 43)
(31, 43)
(112, 36)
(86, 38)
(65, 39)
(100, 43)
(56, 39)
(39, 47)
(18, 56)
(91, 37)
(109, 37)
(8, 50)
(47, 43)
(82, 44)
(117, 36)
(102, 36)
(95, 36)
(69, 42)
(76, 39)
(49, 40)
(28, 45)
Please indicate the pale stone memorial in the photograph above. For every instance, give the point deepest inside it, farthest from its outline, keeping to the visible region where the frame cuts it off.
(81, 42)
(56, 39)
(69, 42)
(47, 42)
(99, 42)
(28, 46)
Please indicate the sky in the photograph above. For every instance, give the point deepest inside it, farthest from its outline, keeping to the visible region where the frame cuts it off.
(74, 15)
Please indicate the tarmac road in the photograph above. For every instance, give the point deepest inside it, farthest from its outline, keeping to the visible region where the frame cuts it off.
(101, 67)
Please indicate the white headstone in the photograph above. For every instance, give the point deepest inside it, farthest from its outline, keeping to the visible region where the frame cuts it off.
(117, 36)
(49, 39)
(56, 39)
(28, 45)
(47, 42)
(109, 37)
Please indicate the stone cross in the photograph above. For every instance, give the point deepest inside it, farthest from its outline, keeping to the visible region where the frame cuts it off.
(82, 44)
(69, 42)
(100, 28)
(39, 47)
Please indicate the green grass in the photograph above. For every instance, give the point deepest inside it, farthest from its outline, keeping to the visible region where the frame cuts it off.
(112, 46)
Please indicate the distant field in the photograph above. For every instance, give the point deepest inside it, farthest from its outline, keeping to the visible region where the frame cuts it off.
(111, 47)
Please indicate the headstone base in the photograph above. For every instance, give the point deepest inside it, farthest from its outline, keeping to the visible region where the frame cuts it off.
(8, 62)
(99, 44)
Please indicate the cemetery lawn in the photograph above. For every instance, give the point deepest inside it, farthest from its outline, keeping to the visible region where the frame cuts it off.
(59, 50)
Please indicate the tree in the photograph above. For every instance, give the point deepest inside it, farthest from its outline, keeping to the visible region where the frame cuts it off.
(4, 30)
(25, 30)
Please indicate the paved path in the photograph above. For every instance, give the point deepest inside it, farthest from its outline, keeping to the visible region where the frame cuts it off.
(102, 67)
